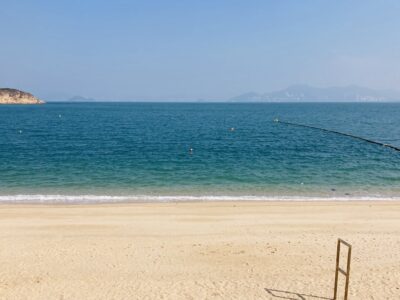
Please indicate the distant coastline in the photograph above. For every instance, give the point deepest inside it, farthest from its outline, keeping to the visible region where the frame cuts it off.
(291, 94)
(81, 99)
(300, 93)
(306, 93)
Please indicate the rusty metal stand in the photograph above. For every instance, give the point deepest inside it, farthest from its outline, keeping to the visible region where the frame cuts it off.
(338, 269)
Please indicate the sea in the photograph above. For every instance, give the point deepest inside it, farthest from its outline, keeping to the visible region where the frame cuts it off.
(142, 152)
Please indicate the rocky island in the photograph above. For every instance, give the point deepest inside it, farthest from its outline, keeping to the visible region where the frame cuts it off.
(13, 96)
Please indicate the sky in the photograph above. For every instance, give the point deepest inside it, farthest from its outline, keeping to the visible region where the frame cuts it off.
(188, 50)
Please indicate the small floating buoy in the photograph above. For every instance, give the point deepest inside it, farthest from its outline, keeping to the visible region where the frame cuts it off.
(190, 150)
(59, 116)
(20, 131)
(276, 120)
(232, 129)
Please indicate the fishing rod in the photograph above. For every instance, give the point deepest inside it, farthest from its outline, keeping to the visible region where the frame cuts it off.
(339, 133)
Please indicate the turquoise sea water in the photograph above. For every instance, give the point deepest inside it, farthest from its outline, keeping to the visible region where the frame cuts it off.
(140, 151)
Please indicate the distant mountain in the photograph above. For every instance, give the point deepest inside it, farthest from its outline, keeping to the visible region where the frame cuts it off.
(305, 93)
(13, 96)
(81, 99)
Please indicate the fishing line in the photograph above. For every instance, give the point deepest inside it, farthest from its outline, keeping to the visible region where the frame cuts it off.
(339, 133)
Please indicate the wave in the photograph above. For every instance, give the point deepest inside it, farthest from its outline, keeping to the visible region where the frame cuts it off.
(87, 199)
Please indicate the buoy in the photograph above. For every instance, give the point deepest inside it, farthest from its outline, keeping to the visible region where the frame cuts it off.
(191, 150)
(232, 128)
(59, 116)
(20, 131)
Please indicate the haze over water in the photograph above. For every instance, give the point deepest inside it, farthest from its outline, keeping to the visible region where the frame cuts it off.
(140, 151)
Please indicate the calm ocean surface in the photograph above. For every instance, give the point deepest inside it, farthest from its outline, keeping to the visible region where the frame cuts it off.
(140, 152)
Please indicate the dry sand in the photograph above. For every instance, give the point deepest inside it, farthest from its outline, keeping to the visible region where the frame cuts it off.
(197, 250)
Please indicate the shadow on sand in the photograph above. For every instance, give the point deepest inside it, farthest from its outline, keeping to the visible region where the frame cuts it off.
(293, 295)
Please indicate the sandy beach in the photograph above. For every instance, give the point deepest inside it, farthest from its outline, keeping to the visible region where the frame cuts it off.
(203, 250)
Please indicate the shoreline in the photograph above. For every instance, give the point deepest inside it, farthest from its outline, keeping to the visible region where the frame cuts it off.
(141, 199)
(203, 202)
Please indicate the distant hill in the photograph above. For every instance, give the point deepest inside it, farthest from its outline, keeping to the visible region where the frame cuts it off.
(305, 93)
(81, 99)
(13, 96)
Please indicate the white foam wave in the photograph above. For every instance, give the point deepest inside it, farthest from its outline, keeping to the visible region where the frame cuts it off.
(82, 199)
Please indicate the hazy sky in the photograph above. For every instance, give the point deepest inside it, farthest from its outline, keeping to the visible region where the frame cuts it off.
(147, 50)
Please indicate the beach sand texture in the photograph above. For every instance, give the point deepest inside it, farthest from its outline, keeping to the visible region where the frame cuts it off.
(204, 250)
